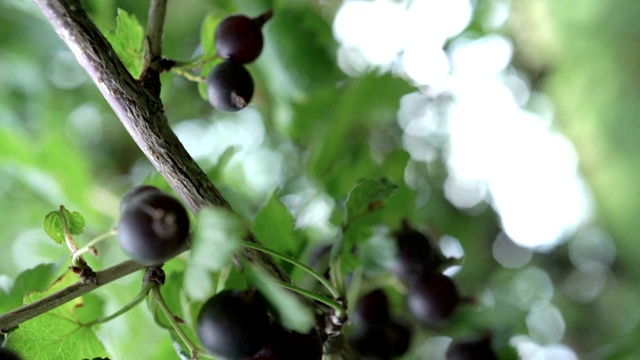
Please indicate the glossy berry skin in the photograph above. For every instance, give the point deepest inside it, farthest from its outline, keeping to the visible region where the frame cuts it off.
(432, 299)
(234, 324)
(8, 354)
(134, 193)
(381, 341)
(229, 86)
(290, 345)
(238, 38)
(372, 308)
(471, 349)
(154, 229)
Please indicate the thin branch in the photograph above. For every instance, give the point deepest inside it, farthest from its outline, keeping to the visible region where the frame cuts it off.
(153, 40)
(16, 317)
(151, 66)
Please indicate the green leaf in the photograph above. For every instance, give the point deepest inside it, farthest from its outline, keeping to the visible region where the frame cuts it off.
(217, 235)
(348, 114)
(91, 308)
(274, 226)
(378, 252)
(53, 224)
(208, 43)
(292, 313)
(207, 32)
(364, 196)
(56, 334)
(304, 62)
(35, 279)
(364, 212)
(127, 41)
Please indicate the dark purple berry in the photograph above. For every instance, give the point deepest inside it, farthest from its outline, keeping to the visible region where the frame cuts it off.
(432, 299)
(381, 342)
(134, 193)
(471, 349)
(154, 229)
(372, 308)
(290, 345)
(416, 254)
(229, 86)
(239, 39)
(234, 324)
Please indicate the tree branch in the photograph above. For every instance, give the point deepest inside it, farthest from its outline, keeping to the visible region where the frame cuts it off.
(150, 77)
(139, 108)
(16, 317)
(153, 40)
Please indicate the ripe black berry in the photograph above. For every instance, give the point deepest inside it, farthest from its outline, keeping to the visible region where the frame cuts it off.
(372, 308)
(239, 38)
(471, 349)
(291, 345)
(229, 86)
(8, 354)
(432, 298)
(381, 341)
(153, 229)
(134, 193)
(376, 335)
(416, 254)
(234, 324)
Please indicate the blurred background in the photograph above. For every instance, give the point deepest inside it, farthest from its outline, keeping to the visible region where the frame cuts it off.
(510, 127)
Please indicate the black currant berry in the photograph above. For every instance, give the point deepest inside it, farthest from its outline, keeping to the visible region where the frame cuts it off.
(239, 38)
(229, 86)
(291, 345)
(8, 354)
(416, 254)
(134, 193)
(471, 349)
(153, 229)
(234, 324)
(372, 308)
(432, 299)
(381, 341)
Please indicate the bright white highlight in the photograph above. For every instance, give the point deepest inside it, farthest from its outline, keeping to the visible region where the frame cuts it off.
(383, 32)
(497, 153)
(376, 29)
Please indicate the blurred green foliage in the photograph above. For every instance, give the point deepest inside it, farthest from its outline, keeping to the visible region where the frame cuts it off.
(61, 144)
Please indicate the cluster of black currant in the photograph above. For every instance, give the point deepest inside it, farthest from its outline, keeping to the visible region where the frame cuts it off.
(433, 297)
(238, 40)
(235, 324)
(153, 226)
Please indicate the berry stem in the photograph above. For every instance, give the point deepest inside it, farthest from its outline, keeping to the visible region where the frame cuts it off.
(90, 247)
(340, 310)
(195, 351)
(188, 75)
(133, 303)
(264, 17)
(295, 262)
(68, 238)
